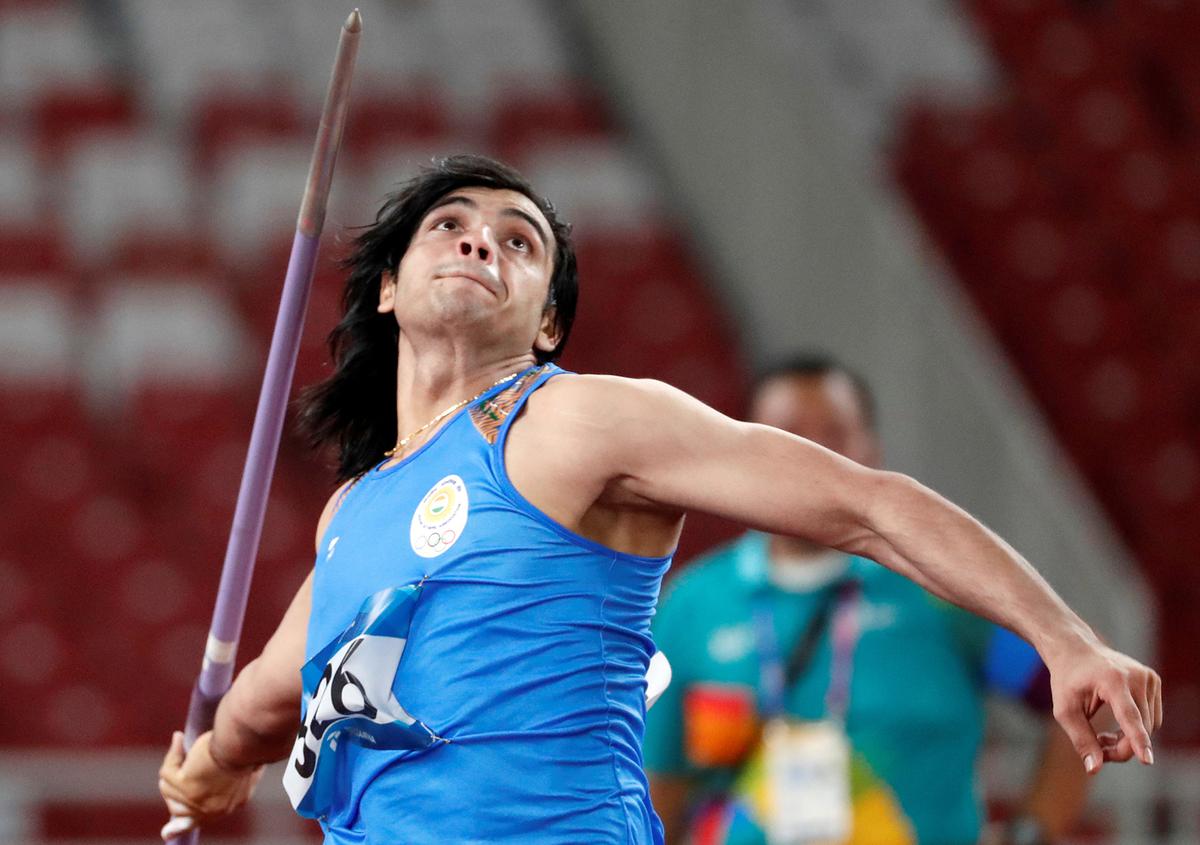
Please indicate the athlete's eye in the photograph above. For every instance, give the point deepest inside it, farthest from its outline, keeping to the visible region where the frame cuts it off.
(447, 225)
(519, 243)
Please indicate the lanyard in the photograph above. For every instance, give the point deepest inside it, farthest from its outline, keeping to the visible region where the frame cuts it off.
(775, 676)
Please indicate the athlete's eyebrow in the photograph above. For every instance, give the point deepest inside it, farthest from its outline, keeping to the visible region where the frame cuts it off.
(509, 211)
(528, 218)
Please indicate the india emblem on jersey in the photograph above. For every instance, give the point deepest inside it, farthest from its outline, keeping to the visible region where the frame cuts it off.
(440, 517)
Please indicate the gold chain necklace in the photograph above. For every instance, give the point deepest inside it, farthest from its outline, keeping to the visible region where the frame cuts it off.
(404, 441)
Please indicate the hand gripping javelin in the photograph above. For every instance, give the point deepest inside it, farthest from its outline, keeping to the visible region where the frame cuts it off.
(216, 672)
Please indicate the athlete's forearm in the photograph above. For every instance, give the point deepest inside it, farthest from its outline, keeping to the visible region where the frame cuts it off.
(935, 543)
(252, 726)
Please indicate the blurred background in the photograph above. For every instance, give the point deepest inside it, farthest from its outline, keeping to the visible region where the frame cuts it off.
(989, 208)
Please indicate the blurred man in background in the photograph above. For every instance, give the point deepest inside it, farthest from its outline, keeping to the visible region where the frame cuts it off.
(846, 641)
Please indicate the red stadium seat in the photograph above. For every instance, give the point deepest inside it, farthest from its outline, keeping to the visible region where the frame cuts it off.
(236, 116)
(62, 116)
(142, 253)
(379, 119)
(535, 117)
(172, 425)
(34, 659)
(260, 291)
(41, 250)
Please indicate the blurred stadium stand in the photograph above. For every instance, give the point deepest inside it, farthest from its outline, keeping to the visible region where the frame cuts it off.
(1069, 209)
(150, 174)
(152, 153)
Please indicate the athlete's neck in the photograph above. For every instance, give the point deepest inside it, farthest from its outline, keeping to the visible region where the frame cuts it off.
(428, 383)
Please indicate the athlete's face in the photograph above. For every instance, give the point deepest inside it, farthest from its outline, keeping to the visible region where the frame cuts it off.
(825, 409)
(480, 259)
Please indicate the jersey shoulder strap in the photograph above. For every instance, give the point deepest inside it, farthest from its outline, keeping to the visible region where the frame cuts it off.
(491, 414)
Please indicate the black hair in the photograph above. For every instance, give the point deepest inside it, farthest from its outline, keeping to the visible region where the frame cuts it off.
(354, 409)
(819, 365)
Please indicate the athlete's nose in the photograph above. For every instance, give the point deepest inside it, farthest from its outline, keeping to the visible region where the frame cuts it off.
(481, 245)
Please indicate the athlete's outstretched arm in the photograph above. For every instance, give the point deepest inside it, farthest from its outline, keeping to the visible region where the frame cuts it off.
(669, 449)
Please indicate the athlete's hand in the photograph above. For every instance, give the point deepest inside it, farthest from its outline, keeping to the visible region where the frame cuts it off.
(197, 789)
(1089, 675)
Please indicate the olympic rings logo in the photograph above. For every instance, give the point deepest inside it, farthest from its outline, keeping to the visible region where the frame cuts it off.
(440, 517)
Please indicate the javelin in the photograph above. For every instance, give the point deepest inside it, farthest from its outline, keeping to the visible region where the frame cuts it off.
(216, 672)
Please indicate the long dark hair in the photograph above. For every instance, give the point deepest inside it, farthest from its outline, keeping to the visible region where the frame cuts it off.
(354, 409)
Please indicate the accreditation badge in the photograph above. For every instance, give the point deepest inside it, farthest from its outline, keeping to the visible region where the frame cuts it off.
(807, 773)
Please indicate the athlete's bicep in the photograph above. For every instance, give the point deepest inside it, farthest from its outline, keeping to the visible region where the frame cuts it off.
(278, 667)
(284, 652)
(680, 453)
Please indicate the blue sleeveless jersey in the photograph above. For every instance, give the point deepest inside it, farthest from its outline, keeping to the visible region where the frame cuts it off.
(525, 654)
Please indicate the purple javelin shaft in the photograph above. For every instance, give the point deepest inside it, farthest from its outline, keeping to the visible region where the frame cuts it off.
(216, 673)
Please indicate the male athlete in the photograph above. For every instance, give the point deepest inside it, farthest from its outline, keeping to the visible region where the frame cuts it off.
(474, 636)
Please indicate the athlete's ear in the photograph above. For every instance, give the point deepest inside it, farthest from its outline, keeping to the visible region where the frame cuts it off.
(387, 293)
(549, 332)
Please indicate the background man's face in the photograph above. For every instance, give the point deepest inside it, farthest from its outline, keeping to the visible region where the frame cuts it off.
(480, 258)
(825, 409)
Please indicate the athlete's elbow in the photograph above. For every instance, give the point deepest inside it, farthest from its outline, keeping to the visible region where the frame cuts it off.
(881, 500)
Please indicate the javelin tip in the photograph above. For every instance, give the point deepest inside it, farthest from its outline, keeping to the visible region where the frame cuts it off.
(353, 22)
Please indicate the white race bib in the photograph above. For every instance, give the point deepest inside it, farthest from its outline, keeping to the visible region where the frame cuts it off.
(349, 697)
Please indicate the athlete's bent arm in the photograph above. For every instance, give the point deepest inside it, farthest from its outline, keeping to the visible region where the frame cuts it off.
(666, 448)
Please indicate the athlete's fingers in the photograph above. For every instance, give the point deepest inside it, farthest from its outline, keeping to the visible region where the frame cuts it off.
(1116, 747)
(1079, 730)
(1130, 719)
(173, 796)
(173, 759)
(1156, 700)
(1141, 697)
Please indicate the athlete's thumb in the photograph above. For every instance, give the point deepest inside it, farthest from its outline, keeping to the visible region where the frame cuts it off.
(176, 753)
